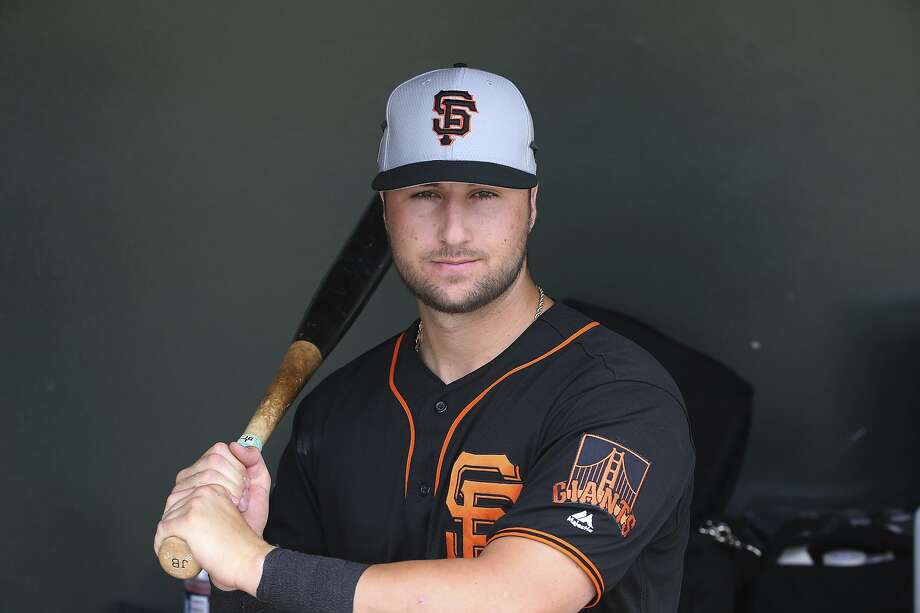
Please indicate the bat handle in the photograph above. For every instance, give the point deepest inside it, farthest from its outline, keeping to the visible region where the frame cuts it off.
(299, 363)
(176, 558)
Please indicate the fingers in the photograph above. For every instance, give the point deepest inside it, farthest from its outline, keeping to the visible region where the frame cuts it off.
(164, 528)
(175, 499)
(182, 504)
(234, 483)
(178, 499)
(211, 459)
(224, 450)
(217, 465)
(158, 538)
(217, 471)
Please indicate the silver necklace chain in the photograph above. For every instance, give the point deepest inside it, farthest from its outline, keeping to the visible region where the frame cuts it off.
(418, 336)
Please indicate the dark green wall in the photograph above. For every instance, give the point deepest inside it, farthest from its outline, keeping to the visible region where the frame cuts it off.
(175, 178)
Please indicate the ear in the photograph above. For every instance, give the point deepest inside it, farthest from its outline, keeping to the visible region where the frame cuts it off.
(383, 200)
(533, 204)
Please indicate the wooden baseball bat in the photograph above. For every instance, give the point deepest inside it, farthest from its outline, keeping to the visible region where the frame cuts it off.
(337, 302)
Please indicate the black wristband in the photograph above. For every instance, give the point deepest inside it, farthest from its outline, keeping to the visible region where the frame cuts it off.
(293, 581)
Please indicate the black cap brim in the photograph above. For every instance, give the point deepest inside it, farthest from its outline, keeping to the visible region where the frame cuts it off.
(486, 173)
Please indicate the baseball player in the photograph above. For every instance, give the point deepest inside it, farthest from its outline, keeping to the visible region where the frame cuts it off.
(501, 453)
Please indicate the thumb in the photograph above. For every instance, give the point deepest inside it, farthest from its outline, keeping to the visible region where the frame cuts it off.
(252, 460)
(249, 456)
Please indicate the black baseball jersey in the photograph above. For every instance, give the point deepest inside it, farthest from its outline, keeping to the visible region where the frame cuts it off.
(573, 436)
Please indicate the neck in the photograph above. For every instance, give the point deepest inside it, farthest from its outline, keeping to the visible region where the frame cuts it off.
(454, 345)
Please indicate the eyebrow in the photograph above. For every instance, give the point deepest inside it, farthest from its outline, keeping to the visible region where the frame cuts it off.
(440, 184)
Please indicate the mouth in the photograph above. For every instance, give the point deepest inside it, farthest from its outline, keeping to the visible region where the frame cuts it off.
(453, 265)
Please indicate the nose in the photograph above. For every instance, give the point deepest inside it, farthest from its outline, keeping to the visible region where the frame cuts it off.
(453, 220)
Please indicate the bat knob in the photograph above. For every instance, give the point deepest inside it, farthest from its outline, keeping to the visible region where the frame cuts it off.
(176, 558)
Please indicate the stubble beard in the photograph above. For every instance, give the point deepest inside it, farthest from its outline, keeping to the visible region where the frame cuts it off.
(486, 289)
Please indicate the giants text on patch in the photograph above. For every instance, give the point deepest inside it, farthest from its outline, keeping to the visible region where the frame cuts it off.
(606, 475)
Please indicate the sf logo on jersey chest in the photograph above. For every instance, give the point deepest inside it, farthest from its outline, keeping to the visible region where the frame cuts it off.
(481, 488)
(453, 108)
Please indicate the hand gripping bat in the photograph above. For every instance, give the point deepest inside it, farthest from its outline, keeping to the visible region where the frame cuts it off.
(342, 294)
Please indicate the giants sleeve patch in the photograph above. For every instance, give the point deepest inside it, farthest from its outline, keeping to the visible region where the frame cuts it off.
(606, 475)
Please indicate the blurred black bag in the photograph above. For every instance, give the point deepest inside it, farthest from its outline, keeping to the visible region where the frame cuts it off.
(723, 558)
(882, 584)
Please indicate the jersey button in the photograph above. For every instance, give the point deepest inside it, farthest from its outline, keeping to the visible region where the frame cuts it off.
(424, 489)
(440, 407)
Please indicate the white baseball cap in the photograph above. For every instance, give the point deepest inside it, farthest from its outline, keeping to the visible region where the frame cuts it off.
(456, 124)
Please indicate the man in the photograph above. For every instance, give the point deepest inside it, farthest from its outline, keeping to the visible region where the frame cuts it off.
(503, 453)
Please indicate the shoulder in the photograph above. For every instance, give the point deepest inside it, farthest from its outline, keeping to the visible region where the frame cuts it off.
(615, 382)
(606, 356)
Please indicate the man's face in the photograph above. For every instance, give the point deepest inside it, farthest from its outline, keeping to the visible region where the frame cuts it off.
(458, 246)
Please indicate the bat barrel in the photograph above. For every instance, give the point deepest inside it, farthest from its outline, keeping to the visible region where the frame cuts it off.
(350, 282)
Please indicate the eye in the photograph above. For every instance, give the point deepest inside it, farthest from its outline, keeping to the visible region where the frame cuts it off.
(480, 195)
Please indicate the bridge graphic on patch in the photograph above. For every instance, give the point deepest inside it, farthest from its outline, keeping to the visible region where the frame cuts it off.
(607, 475)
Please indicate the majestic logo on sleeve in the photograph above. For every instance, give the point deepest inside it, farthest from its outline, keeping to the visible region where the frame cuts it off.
(453, 107)
(582, 520)
(481, 487)
(606, 475)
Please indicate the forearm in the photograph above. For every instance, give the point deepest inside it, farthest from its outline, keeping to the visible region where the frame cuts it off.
(430, 585)
(463, 584)
(510, 575)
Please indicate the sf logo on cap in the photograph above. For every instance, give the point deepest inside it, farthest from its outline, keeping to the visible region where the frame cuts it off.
(452, 106)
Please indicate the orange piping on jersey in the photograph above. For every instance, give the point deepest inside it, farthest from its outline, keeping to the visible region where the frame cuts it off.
(565, 547)
(475, 401)
(405, 407)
